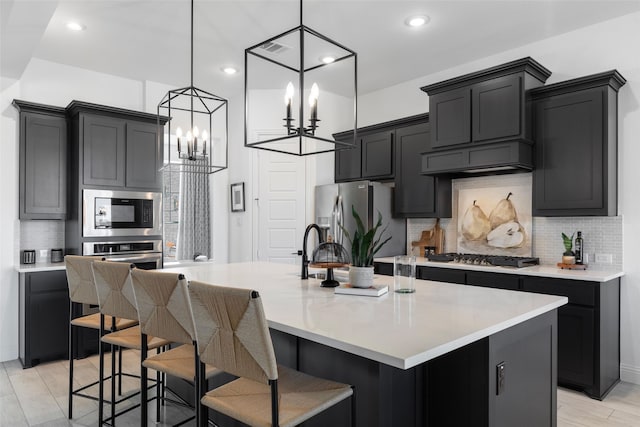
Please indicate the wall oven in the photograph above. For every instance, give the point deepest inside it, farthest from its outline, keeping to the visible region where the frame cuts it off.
(107, 213)
(146, 255)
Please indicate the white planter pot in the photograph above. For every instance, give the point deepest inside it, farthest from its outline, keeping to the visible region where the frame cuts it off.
(361, 277)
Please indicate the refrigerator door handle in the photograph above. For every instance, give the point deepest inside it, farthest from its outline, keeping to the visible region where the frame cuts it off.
(337, 214)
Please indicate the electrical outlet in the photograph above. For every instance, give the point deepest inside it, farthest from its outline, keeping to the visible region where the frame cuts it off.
(586, 258)
(604, 259)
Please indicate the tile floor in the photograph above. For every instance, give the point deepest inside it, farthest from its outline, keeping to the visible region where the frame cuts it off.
(38, 397)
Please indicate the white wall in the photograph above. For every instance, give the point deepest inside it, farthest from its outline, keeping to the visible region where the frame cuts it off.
(605, 46)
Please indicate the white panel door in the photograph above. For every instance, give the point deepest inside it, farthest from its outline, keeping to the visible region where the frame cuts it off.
(280, 206)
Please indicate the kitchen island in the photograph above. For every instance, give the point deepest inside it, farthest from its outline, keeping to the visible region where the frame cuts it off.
(470, 356)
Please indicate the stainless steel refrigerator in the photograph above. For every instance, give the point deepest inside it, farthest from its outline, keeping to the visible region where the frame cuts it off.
(333, 206)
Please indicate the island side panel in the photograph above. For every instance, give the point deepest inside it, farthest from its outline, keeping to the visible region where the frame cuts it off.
(528, 393)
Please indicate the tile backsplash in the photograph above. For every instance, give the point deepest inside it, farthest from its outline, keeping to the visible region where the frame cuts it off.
(41, 235)
(602, 235)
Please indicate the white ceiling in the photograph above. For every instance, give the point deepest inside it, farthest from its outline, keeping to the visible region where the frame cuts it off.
(149, 39)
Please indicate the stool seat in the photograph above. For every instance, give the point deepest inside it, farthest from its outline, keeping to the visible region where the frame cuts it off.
(179, 363)
(130, 338)
(92, 321)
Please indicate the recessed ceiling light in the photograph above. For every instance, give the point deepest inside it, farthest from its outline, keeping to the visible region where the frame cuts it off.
(75, 26)
(229, 70)
(417, 21)
(327, 59)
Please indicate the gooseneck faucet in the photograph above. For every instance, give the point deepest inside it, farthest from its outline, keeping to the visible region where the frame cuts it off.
(305, 259)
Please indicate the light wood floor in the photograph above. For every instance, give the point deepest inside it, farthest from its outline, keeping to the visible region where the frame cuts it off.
(38, 397)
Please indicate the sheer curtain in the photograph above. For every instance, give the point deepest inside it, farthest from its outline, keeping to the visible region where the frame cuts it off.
(194, 234)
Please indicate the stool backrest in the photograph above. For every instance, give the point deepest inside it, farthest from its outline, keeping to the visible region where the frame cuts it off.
(80, 278)
(113, 285)
(232, 331)
(163, 305)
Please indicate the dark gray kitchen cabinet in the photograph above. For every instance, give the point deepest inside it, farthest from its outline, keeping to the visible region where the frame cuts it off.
(348, 161)
(418, 195)
(116, 148)
(588, 332)
(104, 151)
(488, 105)
(450, 114)
(43, 161)
(377, 155)
(576, 147)
(43, 317)
(371, 158)
(493, 280)
(143, 156)
(449, 275)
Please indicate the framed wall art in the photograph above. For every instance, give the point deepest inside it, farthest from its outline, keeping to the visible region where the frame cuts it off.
(237, 197)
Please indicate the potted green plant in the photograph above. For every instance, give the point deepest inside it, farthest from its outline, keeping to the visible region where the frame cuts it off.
(364, 246)
(568, 257)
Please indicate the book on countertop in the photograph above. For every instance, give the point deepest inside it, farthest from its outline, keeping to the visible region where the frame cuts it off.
(371, 291)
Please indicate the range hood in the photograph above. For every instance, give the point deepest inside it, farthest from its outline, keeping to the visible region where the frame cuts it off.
(481, 122)
(480, 159)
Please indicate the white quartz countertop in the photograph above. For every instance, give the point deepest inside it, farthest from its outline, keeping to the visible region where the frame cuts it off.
(590, 274)
(39, 266)
(401, 330)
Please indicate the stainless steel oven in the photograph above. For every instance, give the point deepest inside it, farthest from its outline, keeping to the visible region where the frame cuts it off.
(146, 255)
(107, 213)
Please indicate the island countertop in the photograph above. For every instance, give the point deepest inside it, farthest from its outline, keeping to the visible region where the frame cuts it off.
(400, 330)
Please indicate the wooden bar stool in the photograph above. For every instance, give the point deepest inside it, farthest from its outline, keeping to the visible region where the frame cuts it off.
(233, 335)
(82, 290)
(116, 298)
(163, 306)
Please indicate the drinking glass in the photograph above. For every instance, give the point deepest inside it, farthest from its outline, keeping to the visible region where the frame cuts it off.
(404, 274)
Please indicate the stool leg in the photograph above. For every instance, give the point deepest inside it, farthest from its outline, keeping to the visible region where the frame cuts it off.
(70, 367)
(113, 386)
(101, 374)
(143, 381)
(120, 371)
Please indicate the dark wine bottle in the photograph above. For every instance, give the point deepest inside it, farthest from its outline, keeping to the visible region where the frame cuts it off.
(579, 248)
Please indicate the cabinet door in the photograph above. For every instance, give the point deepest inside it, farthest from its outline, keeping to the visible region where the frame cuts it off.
(43, 166)
(450, 116)
(104, 151)
(143, 156)
(347, 163)
(569, 177)
(497, 108)
(378, 155)
(576, 345)
(418, 195)
(46, 317)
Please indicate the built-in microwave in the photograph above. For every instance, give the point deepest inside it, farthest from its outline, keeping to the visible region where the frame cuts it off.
(121, 213)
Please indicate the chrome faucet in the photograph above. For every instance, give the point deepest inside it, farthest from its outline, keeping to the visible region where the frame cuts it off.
(305, 259)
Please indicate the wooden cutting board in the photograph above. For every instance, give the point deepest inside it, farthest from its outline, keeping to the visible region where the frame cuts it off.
(433, 237)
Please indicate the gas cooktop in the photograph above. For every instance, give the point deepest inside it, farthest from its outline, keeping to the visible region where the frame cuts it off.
(479, 259)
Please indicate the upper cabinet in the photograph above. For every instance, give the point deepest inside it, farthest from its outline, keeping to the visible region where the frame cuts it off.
(418, 195)
(43, 161)
(117, 148)
(576, 134)
(483, 120)
(371, 158)
(391, 151)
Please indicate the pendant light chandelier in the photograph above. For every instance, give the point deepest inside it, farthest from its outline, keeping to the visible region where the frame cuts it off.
(316, 77)
(197, 128)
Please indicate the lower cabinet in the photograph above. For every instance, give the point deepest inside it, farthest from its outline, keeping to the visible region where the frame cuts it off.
(588, 326)
(44, 317)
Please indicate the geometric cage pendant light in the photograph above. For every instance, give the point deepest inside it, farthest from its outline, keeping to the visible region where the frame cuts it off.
(195, 135)
(300, 89)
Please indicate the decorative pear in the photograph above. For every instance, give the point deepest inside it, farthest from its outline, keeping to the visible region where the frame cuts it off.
(507, 235)
(475, 224)
(503, 212)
